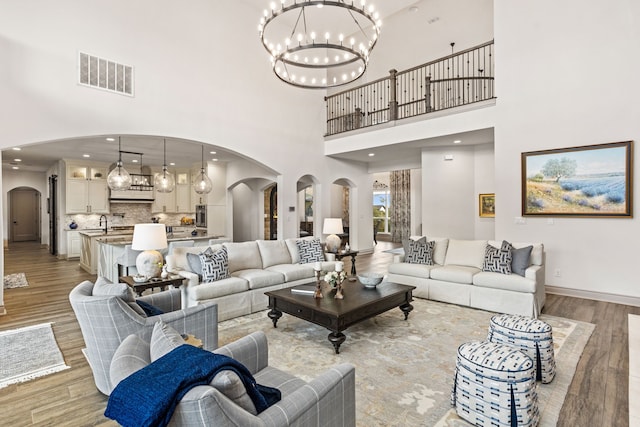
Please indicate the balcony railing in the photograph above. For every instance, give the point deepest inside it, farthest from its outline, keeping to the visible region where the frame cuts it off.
(458, 79)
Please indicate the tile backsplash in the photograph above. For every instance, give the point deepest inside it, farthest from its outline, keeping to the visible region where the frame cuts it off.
(125, 214)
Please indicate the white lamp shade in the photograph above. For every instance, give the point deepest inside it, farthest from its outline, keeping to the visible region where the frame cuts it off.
(148, 237)
(332, 226)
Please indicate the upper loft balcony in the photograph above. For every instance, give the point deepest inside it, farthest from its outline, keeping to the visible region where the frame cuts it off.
(455, 80)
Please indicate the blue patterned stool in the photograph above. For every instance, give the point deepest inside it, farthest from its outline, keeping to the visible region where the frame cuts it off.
(495, 386)
(531, 336)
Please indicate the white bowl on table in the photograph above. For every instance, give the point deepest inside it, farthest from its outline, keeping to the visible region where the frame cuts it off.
(139, 278)
(370, 280)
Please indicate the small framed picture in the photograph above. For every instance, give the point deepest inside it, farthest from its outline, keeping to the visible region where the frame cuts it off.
(487, 205)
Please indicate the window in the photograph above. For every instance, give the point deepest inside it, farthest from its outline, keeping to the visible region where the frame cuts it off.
(381, 205)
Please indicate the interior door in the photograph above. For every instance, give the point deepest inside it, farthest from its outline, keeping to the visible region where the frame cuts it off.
(25, 218)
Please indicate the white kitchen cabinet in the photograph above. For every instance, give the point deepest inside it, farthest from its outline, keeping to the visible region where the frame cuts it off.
(74, 244)
(179, 200)
(86, 188)
(164, 202)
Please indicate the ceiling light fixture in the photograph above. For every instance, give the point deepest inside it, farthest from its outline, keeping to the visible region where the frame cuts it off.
(110, 139)
(457, 141)
(164, 181)
(304, 56)
(16, 148)
(202, 183)
(119, 179)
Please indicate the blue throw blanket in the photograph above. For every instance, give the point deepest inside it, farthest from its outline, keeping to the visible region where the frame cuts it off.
(148, 397)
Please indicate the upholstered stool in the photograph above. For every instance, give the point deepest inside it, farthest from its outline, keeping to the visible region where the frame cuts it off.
(495, 385)
(529, 335)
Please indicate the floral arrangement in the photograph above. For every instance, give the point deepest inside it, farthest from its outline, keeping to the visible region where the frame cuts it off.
(335, 277)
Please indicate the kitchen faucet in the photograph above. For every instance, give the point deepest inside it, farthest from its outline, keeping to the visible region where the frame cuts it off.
(105, 223)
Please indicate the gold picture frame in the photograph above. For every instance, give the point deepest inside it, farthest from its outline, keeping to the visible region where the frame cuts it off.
(586, 181)
(487, 205)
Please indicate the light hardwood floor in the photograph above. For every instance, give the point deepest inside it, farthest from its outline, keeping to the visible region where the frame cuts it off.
(597, 397)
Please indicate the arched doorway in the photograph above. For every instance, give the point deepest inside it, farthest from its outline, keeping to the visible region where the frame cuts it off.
(24, 214)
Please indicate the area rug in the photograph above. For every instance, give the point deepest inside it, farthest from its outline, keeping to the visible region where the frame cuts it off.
(15, 280)
(404, 369)
(28, 353)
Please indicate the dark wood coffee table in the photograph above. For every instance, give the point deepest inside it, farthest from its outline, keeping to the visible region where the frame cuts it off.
(359, 304)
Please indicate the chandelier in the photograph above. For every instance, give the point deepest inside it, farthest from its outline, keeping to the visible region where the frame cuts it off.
(318, 44)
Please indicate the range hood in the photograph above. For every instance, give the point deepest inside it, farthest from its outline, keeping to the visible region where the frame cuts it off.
(131, 196)
(141, 190)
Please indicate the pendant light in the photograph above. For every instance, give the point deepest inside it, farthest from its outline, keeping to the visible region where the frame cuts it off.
(119, 179)
(164, 181)
(202, 183)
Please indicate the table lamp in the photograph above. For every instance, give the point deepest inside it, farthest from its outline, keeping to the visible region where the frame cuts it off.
(332, 226)
(149, 238)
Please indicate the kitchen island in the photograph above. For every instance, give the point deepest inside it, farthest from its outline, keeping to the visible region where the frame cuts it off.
(100, 250)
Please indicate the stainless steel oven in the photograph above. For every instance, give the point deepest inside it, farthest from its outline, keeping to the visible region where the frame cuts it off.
(201, 216)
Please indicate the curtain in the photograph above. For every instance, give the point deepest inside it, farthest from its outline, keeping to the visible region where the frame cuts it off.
(400, 209)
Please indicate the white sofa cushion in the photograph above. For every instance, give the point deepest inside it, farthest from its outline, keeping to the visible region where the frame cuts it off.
(274, 252)
(454, 273)
(468, 253)
(258, 278)
(414, 270)
(293, 272)
(205, 291)
(511, 282)
(243, 255)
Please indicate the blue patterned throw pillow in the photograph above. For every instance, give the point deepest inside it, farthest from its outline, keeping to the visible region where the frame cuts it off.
(215, 266)
(310, 250)
(498, 260)
(420, 252)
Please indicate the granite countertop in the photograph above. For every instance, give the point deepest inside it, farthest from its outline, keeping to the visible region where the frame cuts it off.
(112, 239)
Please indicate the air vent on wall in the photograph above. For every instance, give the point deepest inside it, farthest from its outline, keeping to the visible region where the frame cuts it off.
(104, 74)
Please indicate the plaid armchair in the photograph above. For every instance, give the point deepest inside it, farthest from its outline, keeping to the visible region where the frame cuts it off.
(105, 321)
(328, 400)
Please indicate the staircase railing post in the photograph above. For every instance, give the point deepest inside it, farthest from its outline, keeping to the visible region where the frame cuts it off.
(427, 94)
(393, 100)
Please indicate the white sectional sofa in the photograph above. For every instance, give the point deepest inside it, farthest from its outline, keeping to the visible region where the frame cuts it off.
(255, 267)
(457, 277)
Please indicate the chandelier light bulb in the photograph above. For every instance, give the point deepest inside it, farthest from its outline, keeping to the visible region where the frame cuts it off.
(273, 6)
(313, 35)
(341, 38)
(352, 41)
(327, 36)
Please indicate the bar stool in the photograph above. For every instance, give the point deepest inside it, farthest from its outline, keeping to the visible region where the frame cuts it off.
(126, 259)
(181, 244)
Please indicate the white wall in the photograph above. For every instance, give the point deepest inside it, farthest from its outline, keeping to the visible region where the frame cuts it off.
(567, 75)
(448, 192)
(484, 172)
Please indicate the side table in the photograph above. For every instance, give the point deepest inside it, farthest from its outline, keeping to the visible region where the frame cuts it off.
(342, 254)
(155, 282)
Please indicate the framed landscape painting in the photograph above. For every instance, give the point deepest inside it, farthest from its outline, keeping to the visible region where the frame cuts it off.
(593, 180)
(487, 205)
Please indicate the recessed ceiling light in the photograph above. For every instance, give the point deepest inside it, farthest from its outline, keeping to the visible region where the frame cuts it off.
(457, 141)
(15, 167)
(212, 152)
(372, 154)
(214, 160)
(17, 160)
(134, 161)
(110, 139)
(16, 148)
(413, 9)
(172, 164)
(86, 155)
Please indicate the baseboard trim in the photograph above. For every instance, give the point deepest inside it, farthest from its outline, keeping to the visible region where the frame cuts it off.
(598, 296)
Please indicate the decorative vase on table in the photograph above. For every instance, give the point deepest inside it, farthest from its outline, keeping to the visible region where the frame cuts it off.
(335, 279)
